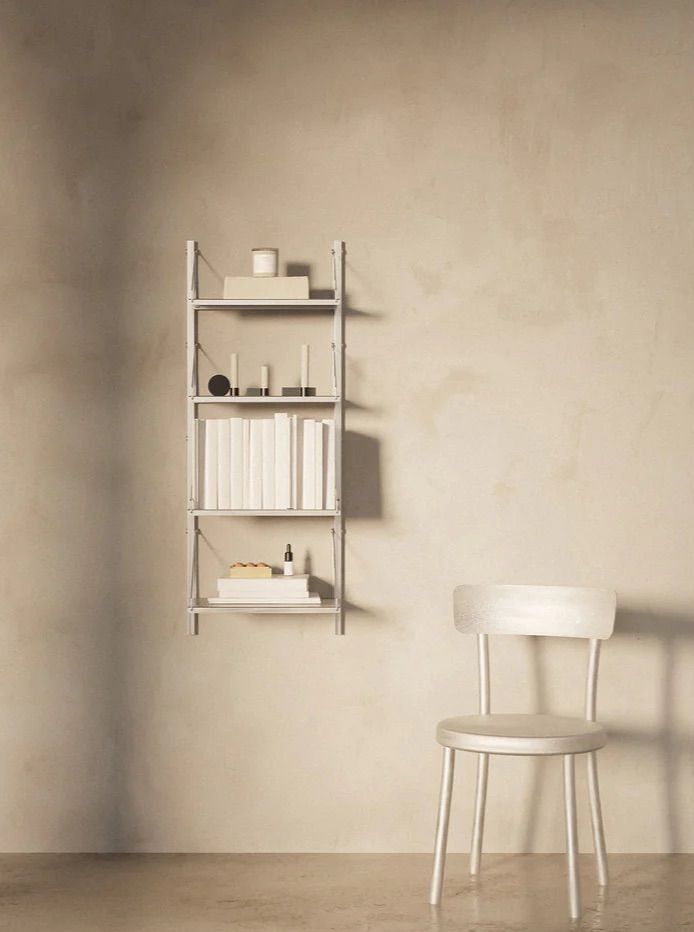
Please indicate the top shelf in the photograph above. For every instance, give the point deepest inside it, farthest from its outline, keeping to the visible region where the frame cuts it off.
(263, 304)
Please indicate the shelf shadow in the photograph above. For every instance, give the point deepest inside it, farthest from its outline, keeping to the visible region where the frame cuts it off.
(362, 486)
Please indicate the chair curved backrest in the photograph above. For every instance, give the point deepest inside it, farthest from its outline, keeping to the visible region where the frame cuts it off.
(549, 611)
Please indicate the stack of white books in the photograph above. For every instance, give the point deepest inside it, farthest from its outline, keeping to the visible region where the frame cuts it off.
(273, 590)
(273, 464)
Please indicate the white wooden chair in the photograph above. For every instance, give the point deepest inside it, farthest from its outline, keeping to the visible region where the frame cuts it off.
(532, 610)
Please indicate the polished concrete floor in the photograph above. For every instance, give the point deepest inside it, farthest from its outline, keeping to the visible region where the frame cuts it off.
(335, 893)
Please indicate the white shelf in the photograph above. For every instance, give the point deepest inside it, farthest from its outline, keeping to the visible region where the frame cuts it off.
(327, 607)
(265, 400)
(263, 304)
(331, 307)
(262, 513)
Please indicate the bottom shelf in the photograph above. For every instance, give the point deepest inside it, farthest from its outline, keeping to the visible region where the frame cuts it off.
(327, 607)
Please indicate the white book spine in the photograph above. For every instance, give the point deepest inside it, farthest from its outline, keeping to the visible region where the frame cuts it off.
(199, 492)
(282, 462)
(236, 457)
(268, 463)
(223, 466)
(319, 477)
(294, 431)
(255, 485)
(246, 458)
(210, 480)
(308, 465)
(329, 436)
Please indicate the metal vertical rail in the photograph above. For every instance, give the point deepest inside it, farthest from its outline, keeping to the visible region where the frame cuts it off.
(191, 435)
(338, 252)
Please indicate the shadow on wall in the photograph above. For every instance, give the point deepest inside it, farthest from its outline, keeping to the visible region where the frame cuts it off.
(674, 747)
(666, 741)
(362, 487)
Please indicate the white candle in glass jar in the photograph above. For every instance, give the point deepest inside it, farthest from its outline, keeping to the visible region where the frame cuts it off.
(265, 262)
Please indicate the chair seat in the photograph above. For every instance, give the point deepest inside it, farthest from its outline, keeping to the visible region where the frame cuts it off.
(520, 734)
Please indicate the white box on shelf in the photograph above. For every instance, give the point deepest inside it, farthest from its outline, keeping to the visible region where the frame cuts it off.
(291, 287)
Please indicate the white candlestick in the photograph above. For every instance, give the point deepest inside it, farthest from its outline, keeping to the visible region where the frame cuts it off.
(304, 365)
(264, 377)
(234, 375)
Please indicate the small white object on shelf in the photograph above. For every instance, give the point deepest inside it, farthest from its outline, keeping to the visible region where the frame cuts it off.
(264, 378)
(265, 262)
(234, 371)
(304, 365)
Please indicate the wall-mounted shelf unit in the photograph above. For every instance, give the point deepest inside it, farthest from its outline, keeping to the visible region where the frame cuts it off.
(197, 605)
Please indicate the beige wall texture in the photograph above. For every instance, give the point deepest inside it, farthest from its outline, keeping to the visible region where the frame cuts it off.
(515, 186)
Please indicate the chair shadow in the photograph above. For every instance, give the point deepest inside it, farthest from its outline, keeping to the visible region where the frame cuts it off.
(666, 738)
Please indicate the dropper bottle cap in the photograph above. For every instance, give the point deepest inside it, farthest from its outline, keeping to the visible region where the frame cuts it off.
(288, 555)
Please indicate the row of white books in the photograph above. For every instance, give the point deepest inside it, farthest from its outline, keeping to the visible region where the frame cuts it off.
(275, 590)
(280, 463)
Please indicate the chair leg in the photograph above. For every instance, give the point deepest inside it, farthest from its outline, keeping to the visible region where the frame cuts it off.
(442, 826)
(478, 824)
(596, 818)
(571, 836)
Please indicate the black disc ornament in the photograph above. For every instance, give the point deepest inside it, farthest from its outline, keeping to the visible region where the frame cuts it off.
(219, 385)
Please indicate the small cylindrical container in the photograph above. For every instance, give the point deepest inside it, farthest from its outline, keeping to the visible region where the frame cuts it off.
(265, 262)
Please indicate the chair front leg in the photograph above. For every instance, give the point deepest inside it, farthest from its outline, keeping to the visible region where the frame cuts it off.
(571, 836)
(596, 818)
(442, 826)
(478, 824)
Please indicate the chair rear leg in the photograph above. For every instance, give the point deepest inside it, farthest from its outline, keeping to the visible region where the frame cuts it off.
(571, 836)
(478, 824)
(442, 826)
(596, 818)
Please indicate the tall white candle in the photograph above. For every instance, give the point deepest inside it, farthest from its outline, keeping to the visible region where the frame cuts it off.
(304, 365)
(264, 377)
(234, 375)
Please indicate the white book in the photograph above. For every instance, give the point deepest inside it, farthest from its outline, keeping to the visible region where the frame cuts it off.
(294, 423)
(223, 466)
(319, 478)
(246, 460)
(290, 585)
(282, 462)
(268, 463)
(209, 501)
(255, 468)
(236, 458)
(329, 458)
(308, 465)
(311, 599)
(199, 493)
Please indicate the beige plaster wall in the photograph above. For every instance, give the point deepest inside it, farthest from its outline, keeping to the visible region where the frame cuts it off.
(59, 177)
(514, 183)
